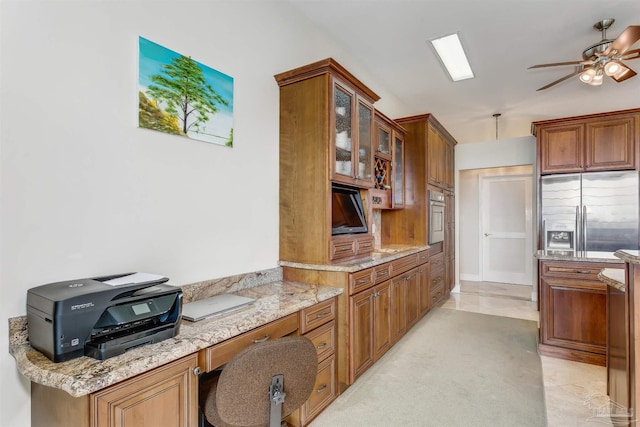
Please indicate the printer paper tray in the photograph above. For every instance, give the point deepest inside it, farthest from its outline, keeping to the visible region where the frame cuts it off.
(109, 348)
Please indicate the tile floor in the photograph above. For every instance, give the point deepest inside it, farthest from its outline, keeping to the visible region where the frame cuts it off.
(573, 391)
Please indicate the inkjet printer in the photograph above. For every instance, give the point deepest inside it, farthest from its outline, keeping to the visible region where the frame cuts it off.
(102, 317)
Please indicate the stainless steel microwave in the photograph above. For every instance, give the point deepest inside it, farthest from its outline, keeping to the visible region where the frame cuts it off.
(436, 216)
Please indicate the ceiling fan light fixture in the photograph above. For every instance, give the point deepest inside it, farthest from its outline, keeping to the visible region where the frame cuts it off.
(587, 75)
(611, 68)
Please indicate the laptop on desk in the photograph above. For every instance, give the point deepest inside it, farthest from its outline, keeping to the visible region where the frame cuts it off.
(214, 306)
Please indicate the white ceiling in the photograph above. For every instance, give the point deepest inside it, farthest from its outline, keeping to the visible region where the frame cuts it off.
(502, 39)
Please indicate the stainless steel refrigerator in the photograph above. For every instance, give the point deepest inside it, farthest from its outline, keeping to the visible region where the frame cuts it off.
(596, 211)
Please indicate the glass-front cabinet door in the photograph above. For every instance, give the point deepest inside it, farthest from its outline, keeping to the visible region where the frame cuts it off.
(397, 191)
(352, 148)
(343, 142)
(365, 144)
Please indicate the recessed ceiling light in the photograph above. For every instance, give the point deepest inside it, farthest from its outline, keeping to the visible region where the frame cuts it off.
(451, 54)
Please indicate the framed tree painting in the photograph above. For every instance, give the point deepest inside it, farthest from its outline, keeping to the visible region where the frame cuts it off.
(181, 96)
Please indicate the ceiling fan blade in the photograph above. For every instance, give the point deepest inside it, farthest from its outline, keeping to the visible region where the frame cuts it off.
(624, 73)
(632, 54)
(624, 40)
(568, 76)
(561, 63)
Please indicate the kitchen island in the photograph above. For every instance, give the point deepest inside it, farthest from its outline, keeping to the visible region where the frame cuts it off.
(623, 383)
(573, 305)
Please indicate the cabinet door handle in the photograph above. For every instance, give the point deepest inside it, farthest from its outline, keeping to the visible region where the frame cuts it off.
(321, 315)
(263, 339)
(321, 346)
(322, 388)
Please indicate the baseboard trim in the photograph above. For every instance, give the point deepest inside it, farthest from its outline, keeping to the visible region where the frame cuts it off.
(573, 355)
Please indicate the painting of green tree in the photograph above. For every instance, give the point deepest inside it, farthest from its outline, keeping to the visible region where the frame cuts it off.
(180, 96)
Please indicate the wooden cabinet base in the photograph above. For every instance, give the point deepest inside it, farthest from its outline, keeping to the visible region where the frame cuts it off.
(573, 355)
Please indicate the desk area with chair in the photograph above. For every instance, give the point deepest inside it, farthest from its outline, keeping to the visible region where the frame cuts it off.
(158, 384)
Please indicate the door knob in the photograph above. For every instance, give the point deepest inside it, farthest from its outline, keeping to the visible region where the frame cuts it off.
(487, 234)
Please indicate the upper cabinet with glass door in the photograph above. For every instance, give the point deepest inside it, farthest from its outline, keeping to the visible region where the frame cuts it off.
(352, 148)
(388, 164)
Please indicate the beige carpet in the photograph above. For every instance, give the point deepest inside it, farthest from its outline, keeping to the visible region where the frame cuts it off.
(454, 368)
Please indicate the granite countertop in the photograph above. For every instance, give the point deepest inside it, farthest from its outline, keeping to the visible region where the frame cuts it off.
(605, 257)
(85, 375)
(377, 257)
(628, 255)
(614, 277)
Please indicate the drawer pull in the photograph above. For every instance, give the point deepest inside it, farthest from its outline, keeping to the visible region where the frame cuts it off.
(263, 339)
(321, 315)
(584, 271)
(322, 388)
(321, 346)
(383, 273)
(366, 245)
(345, 249)
(363, 281)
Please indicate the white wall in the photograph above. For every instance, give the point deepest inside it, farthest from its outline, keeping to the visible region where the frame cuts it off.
(483, 155)
(84, 192)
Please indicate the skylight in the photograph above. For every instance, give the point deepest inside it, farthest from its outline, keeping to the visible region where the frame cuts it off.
(452, 56)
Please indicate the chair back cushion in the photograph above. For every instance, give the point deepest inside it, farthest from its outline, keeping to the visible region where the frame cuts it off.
(240, 396)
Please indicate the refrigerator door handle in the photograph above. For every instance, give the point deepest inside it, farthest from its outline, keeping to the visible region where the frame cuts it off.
(578, 247)
(584, 228)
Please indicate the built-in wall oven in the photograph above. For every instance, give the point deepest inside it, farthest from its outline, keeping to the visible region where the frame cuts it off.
(436, 216)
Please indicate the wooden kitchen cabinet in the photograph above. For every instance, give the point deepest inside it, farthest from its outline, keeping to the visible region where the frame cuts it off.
(573, 311)
(388, 191)
(601, 142)
(326, 135)
(370, 323)
(405, 303)
(352, 136)
(166, 396)
(318, 323)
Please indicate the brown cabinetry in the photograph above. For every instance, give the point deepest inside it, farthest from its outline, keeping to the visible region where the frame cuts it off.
(371, 307)
(165, 397)
(370, 323)
(439, 158)
(602, 142)
(388, 191)
(326, 134)
(573, 307)
(351, 135)
(318, 323)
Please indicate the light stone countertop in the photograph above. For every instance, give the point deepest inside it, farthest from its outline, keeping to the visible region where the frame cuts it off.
(614, 277)
(85, 375)
(605, 257)
(628, 255)
(379, 256)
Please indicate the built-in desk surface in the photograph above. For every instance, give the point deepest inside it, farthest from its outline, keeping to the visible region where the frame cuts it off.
(85, 375)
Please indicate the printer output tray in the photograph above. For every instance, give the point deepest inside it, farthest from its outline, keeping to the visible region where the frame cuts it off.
(103, 349)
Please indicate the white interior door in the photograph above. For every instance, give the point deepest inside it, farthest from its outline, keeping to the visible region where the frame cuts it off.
(506, 231)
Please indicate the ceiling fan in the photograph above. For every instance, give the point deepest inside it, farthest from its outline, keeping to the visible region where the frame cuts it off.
(603, 58)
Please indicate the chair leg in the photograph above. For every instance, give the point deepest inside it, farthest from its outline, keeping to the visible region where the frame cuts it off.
(276, 396)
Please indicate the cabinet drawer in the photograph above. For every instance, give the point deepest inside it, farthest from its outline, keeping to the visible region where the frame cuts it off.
(574, 270)
(324, 391)
(360, 281)
(382, 273)
(364, 245)
(423, 257)
(403, 264)
(324, 339)
(342, 249)
(437, 261)
(317, 314)
(436, 293)
(436, 276)
(219, 354)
